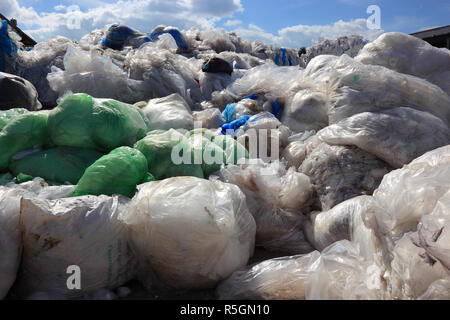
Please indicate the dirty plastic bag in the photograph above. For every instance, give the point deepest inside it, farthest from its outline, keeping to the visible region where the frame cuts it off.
(16, 92)
(275, 279)
(307, 110)
(82, 121)
(86, 232)
(396, 136)
(411, 55)
(209, 118)
(409, 193)
(277, 199)
(340, 173)
(353, 87)
(171, 112)
(118, 172)
(36, 64)
(191, 233)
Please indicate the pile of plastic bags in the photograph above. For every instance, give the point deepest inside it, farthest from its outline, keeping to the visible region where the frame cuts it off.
(169, 158)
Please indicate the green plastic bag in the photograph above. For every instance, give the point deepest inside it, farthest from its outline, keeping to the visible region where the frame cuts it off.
(206, 133)
(22, 177)
(62, 164)
(104, 124)
(24, 132)
(157, 148)
(8, 115)
(233, 149)
(118, 172)
(210, 154)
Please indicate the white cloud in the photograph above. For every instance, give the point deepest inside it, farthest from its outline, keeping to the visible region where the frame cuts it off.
(232, 23)
(59, 7)
(143, 15)
(305, 35)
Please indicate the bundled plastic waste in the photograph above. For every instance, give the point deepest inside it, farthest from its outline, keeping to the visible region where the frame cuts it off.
(86, 232)
(277, 199)
(16, 92)
(299, 163)
(82, 121)
(349, 45)
(410, 55)
(8, 49)
(169, 112)
(118, 172)
(190, 233)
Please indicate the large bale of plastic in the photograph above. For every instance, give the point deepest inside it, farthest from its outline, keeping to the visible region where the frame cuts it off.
(7, 116)
(353, 87)
(339, 173)
(349, 45)
(10, 238)
(397, 136)
(35, 64)
(16, 92)
(26, 131)
(95, 74)
(277, 198)
(409, 193)
(190, 233)
(87, 232)
(118, 172)
(307, 110)
(171, 112)
(410, 55)
(275, 279)
(163, 160)
(60, 165)
(82, 121)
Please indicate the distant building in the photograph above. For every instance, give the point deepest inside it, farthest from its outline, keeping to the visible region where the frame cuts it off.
(25, 39)
(438, 37)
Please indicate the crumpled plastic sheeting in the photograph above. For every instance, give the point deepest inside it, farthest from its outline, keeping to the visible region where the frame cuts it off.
(349, 45)
(84, 231)
(410, 55)
(268, 79)
(397, 136)
(342, 222)
(210, 118)
(171, 112)
(95, 74)
(276, 279)
(409, 193)
(34, 65)
(307, 110)
(353, 87)
(339, 173)
(438, 290)
(189, 232)
(277, 199)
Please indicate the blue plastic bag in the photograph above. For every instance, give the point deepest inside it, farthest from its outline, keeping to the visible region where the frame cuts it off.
(178, 37)
(7, 45)
(229, 114)
(276, 108)
(236, 124)
(252, 96)
(117, 35)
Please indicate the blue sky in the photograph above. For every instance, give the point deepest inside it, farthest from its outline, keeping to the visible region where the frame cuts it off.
(285, 22)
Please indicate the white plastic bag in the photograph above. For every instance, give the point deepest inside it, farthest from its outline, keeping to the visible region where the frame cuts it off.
(171, 112)
(408, 54)
(190, 233)
(84, 231)
(276, 197)
(397, 136)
